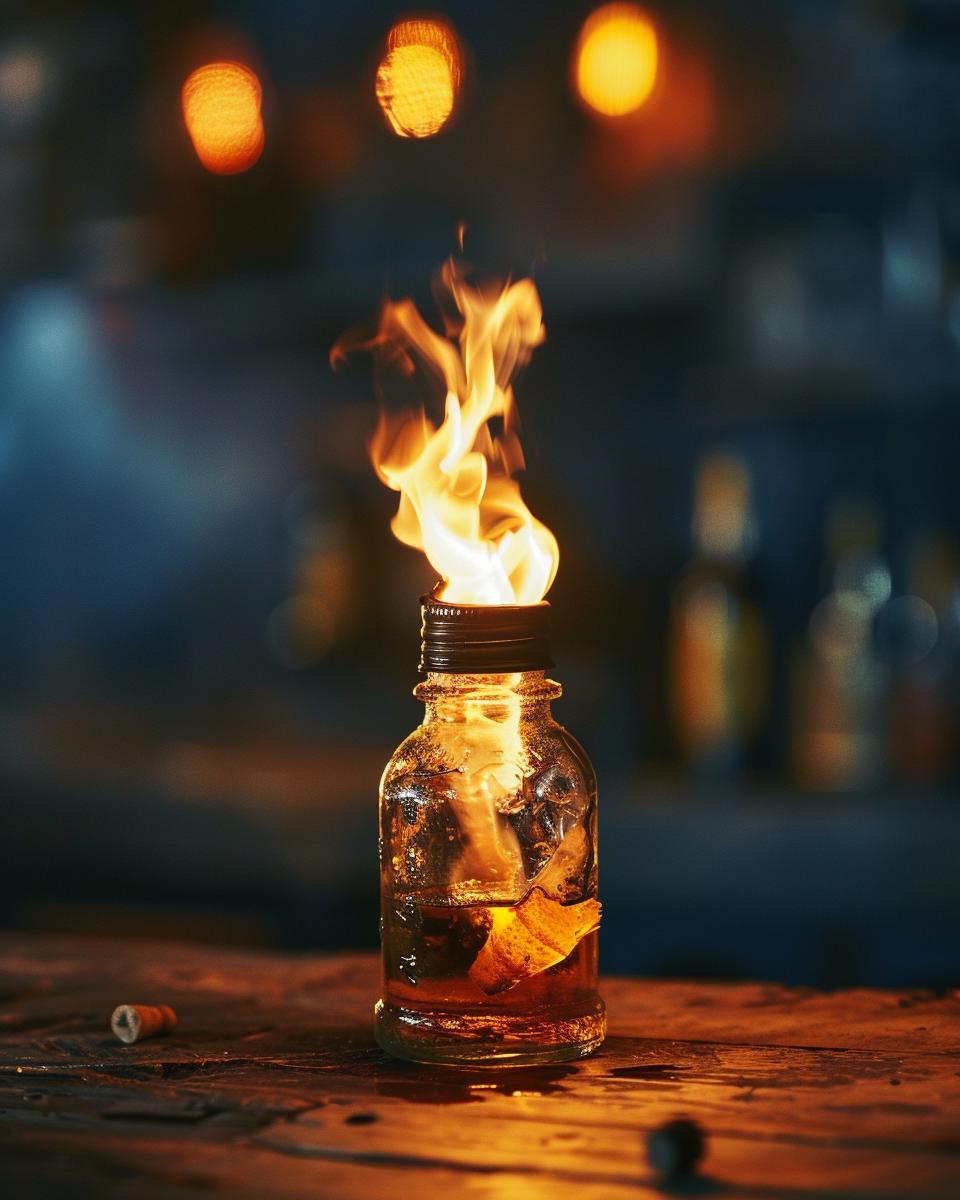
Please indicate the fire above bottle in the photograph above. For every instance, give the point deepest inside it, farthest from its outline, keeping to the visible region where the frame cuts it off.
(459, 501)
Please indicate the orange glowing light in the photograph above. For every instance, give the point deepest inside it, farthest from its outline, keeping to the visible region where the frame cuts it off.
(221, 109)
(616, 59)
(459, 501)
(418, 79)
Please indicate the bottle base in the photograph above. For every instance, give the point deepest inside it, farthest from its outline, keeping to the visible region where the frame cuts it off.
(487, 1040)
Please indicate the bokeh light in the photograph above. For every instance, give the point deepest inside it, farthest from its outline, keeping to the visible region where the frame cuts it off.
(24, 82)
(722, 521)
(221, 109)
(418, 80)
(616, 59)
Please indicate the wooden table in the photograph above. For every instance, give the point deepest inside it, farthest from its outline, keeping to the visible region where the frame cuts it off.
(272, 1087)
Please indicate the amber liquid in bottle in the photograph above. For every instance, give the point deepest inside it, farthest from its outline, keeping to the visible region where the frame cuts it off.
(489, 880)
(550, 1016)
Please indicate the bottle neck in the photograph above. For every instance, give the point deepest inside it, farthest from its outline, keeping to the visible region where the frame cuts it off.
(452, 697)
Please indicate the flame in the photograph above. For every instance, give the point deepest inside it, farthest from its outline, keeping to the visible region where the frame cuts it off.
(616, 59)
(459, 502)
(419, 77)
(221, 109)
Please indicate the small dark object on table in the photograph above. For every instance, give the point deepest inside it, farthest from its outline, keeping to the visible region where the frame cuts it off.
(675, 1148)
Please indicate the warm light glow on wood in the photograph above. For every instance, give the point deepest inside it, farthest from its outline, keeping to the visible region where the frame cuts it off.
(221, 109)
(419, 78)
(616, 60)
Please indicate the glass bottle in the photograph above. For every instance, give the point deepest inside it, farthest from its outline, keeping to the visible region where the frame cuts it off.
(488, 855)
(718, 645)
(839, 682)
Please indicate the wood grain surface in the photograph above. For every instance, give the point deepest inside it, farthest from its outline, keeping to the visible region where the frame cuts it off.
(272, 1086)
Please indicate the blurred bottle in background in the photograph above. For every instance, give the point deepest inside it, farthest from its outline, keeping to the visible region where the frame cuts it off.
(919, 634)
(718, 653)
(318, 618)
(839, 682)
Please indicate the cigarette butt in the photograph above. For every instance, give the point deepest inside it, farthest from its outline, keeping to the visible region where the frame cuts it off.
(134, 1022)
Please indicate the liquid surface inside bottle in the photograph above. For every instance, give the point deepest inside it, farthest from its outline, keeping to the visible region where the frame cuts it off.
(489, 880)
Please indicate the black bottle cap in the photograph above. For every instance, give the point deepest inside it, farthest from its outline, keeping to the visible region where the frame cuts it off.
(484, 639)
